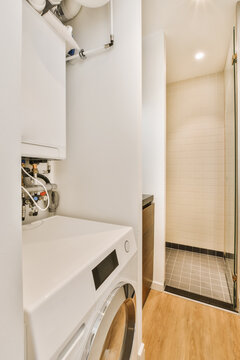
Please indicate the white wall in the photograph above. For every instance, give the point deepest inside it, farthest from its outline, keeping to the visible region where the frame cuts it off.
(195, 162)
(11, 314)
(154, 142)
(101, 178)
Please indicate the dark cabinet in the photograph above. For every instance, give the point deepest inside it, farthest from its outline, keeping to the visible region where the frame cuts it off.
(147, 249)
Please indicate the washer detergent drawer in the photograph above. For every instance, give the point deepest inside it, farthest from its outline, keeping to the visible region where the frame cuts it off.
(112, 334)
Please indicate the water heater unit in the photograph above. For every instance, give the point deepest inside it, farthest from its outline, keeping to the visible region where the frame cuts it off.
(66, 9)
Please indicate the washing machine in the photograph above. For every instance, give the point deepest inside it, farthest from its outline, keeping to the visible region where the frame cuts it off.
(79, 290)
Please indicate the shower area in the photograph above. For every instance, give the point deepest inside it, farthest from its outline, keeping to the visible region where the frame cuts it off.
(201, 226)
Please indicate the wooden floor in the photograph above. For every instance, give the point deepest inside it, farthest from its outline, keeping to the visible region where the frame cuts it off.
(179, 329)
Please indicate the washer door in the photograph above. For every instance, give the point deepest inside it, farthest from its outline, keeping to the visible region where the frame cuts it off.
(113, 332)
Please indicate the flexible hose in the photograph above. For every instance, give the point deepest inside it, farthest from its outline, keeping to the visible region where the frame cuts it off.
(41, 176)
(27, 192)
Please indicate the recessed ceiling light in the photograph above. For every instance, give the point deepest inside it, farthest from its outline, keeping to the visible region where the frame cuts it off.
(199, 55)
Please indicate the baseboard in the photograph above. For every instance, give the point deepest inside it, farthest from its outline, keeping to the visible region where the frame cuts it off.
(141, 352)
(198, 250)
(157, 286)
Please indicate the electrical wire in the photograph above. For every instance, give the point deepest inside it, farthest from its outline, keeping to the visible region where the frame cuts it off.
(27, 192)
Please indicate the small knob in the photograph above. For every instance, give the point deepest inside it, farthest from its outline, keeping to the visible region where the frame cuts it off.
(127, 246)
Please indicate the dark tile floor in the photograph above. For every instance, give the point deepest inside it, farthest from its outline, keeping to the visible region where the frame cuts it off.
(197, 273)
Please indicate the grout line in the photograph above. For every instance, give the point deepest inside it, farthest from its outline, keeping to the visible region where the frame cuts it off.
(205, 263)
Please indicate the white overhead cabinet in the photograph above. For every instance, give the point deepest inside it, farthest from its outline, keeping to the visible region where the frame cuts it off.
(43, 88)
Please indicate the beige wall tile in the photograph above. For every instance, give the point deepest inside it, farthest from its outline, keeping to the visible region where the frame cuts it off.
(195, 162)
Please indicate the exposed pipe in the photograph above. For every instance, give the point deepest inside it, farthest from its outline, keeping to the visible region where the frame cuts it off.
(41, 176)
(93, 3)
(111, 20)
(54, 196)
(38, 188)
(50, 4)
(83, 54)
(67, 10)
(41, 184)
(38, 5)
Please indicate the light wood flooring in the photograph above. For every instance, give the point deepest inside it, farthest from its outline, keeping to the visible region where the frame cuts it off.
(179, 329)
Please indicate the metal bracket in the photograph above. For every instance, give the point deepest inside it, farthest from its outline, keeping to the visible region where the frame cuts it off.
(234, 59)
(82, 55)
(48, 7)
(111, 43)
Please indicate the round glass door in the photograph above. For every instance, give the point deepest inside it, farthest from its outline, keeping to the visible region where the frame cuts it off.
(113, 332)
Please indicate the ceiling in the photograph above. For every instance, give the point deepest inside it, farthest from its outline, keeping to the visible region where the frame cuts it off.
(191, 26)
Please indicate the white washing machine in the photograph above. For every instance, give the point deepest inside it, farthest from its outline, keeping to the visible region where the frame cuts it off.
(79, 287)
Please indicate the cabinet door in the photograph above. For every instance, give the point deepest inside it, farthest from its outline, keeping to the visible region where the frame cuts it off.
(43, 88)
(147, 250)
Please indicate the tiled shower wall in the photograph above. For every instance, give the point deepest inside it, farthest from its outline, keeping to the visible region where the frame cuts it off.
(195, 162)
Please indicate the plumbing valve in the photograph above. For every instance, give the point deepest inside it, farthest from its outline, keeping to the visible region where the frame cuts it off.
(35, 170)
(36, 198)
(34, 212)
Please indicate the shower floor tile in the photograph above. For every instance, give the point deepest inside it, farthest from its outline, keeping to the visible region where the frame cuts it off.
(197, 273)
